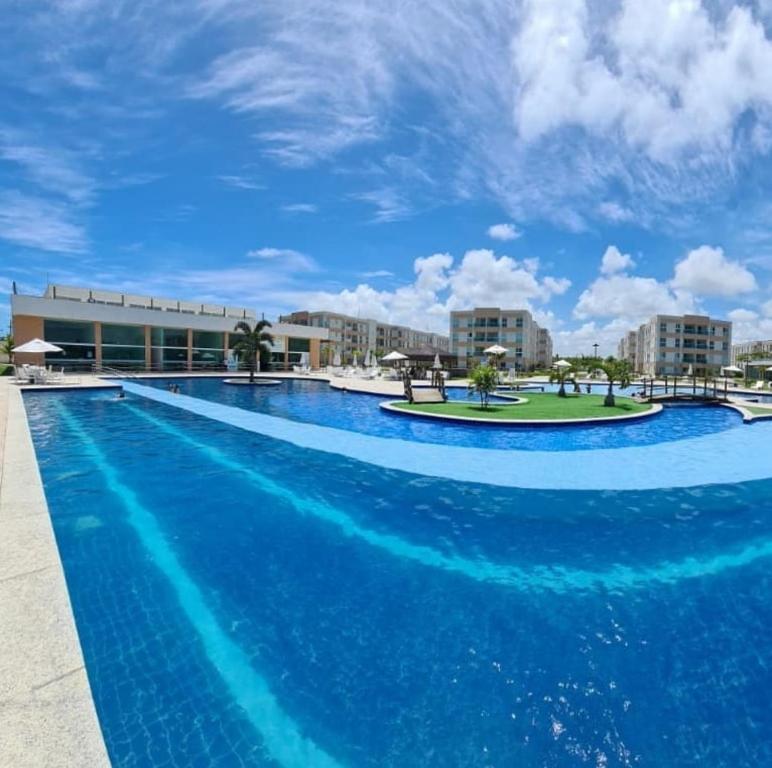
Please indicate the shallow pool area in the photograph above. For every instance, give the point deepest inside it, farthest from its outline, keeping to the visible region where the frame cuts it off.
(243, 600)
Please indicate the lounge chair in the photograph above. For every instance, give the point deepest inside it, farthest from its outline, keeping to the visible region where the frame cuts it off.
(758, 385)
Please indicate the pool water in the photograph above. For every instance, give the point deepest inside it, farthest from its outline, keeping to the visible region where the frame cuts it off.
(315, 402)
(245, 602)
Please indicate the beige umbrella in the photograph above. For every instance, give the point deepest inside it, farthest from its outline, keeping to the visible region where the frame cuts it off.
(36, 346)
(394, 357)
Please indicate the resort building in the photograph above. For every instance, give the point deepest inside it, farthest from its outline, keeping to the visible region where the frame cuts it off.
(353, 335)
(751, 350)
(628, 348)
(681, 345)
(472, 331)
(121, 330)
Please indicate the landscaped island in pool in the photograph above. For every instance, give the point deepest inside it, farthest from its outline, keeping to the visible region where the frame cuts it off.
(534, 406)
(244, 599)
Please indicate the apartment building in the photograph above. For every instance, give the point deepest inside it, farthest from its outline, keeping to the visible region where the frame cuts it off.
(628, 348)
(472, 331)
(349, 335)
(753, 349)
(681, 345)
(130, 331)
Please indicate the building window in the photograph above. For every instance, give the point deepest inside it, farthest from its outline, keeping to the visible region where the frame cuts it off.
(299, 345)
(123, 335)
(169, 337)
(68, 332)
(208, 340)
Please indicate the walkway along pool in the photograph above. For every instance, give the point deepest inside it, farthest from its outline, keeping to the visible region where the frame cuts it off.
(245, 599)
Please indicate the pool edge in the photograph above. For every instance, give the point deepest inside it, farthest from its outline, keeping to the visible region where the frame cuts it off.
(47, 711)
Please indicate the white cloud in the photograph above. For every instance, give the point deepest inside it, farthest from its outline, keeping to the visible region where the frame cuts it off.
(390, 204)
(377, 273)
(480, 279)
(664, 73)
(743, 315)
(615, 261)
(300, 208)
(615, 212)
(37, 223)
(287, 257)
(240, 182)
(504, 232)
(706, 271)
(632, 298)
(53, 170)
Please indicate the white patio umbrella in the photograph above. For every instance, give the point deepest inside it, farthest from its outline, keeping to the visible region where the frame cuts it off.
(336, 360)
(769, 370)
(495, 350)
(393, 357)
(355, 360)
(561, 364)
(731, 369)
(437, 364)
(37, 346)
(367, 359)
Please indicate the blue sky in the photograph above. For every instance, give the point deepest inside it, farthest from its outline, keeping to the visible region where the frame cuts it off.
(596, 162)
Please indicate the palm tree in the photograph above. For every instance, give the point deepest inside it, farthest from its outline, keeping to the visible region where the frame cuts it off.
(483, 380)
(252, 343)
(6, 347)
(560, 374)
(616, 371)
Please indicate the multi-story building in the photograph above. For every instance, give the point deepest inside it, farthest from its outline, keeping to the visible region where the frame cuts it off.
(543, 348)
(628, 348)
(752, 349)
(128, 331)
(472, 331)
(349, 335)
(682, 345)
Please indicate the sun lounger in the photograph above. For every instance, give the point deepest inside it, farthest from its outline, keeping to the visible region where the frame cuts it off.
(427, 396)
(758, 385)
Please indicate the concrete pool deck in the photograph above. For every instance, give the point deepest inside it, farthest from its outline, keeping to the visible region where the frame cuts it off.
(47, 713)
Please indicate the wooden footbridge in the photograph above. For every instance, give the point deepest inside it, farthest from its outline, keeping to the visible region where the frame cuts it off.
(675, 391)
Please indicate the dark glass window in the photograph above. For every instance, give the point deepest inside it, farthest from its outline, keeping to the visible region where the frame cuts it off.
(169, 337)
(208, 339)
(68, 332)
(125, 335)
(299, 345)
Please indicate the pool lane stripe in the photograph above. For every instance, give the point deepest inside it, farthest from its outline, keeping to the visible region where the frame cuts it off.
(731, 456)
(557, 579)
(280, 734)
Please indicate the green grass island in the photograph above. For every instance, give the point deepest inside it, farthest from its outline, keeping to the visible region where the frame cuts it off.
(531, 407)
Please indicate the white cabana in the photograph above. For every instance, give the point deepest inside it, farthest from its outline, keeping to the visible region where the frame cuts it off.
(36, 346)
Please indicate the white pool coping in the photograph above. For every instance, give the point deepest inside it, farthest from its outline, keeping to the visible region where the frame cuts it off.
(47, 713)
(676, 464)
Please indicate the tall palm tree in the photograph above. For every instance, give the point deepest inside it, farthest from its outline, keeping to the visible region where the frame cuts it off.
(560, 375)
(252, 343)
(616, 371)
(6, 347)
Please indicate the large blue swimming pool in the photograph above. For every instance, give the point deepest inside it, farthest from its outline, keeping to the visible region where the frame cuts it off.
(242, 601)
(316, 402)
